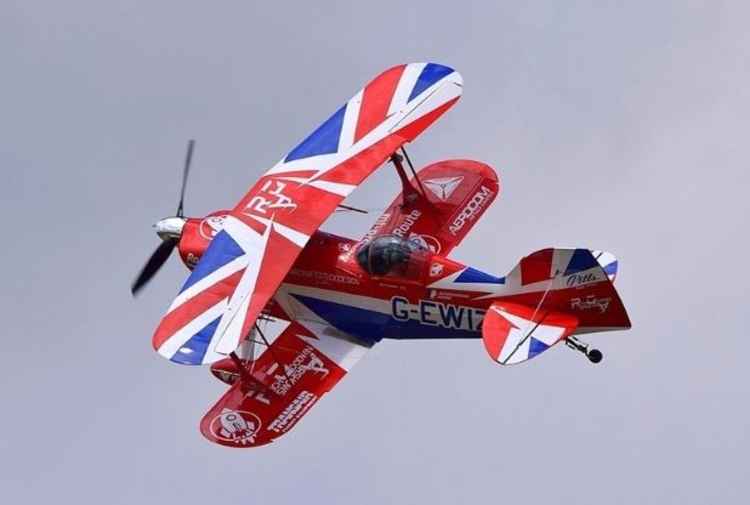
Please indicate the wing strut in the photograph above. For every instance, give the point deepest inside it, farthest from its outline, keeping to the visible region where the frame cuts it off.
(409, 191)
(245, 376)
(247, 379)
(273, 354)
(416, 177)
(353, 209)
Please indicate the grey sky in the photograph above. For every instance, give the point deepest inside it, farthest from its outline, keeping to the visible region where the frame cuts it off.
(622, 128)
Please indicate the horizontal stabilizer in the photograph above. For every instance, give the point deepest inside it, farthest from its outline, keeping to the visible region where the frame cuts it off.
(608, 262)
(514, 333)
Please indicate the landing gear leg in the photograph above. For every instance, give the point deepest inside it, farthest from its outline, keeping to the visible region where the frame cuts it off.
(594, 355)
(245, 376)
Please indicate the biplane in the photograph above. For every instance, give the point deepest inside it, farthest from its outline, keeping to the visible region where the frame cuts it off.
(266, 258)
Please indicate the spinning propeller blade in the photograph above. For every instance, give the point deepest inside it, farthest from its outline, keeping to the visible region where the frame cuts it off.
(185, 172)
(168, 229)
(154, 263)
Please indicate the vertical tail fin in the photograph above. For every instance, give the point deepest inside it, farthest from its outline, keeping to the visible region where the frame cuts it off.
(571, 281)
(551, 295)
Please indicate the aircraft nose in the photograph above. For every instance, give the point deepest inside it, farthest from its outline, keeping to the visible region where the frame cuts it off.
(170, 227)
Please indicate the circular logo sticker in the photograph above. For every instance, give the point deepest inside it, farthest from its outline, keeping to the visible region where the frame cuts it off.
(210, 226)
(235, 426)
(427, 241)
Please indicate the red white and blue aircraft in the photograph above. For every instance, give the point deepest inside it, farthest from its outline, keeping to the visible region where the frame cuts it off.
(266, 258)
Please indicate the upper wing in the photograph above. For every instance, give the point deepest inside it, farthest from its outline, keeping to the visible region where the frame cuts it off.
(299, 367)
(263, 235)
(456, 194)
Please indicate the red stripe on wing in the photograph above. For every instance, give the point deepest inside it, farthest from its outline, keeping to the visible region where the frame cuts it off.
(413, 129)
(279, 256)
(376, 99)
(194, 307)
(495, 331)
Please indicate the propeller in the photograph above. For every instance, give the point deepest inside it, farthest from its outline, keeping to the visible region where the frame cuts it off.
(169, 230)
(154, 263)
(185, 172)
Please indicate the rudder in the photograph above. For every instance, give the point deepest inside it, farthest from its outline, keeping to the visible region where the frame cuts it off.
(571, 281)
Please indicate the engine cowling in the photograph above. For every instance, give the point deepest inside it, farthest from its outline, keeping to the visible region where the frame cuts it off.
(197, 234)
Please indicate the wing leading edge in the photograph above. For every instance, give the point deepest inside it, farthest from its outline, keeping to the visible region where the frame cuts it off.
(263, 235)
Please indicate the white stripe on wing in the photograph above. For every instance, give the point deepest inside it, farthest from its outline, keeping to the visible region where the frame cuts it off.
(173, 344)
(220, 273)
(349, 125)
(405, 86)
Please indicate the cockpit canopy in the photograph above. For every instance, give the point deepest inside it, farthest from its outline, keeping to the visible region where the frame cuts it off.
(392, 255)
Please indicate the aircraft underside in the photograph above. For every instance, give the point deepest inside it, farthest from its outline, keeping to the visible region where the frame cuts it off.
(372, 319)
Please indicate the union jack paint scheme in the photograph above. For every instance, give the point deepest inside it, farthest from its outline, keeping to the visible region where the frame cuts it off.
(267, 259)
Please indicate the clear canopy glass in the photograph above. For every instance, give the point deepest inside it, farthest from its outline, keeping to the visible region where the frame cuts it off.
(391, 255)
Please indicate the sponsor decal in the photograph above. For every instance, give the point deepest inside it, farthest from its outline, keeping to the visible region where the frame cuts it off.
(434, 313)
(305, 361)
(325, 276)
(427, 241)
(270, 197)
(436, 269)
(375, 230)
(447, 295)
(408, 221)
(192, 260)
(292, 412)
(472, 209)
(235, 426)
(210, 226)
(580, 279)
(382, 221)
(590, 302)
(346, 250)
(444, 187)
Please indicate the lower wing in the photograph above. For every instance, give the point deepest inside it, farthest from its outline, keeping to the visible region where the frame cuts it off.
(440, 208)
(306, 361)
